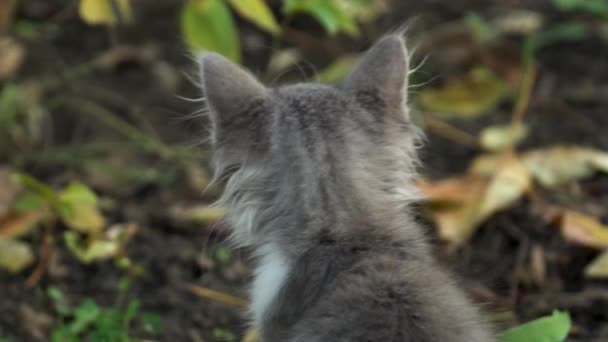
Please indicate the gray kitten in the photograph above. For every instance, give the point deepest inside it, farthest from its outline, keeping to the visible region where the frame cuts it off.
(318, 183)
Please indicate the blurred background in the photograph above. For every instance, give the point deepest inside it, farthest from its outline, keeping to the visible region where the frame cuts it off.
(106, 233)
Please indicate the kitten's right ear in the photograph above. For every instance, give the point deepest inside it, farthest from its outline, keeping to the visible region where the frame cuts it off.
(382, 73)
(230, 92)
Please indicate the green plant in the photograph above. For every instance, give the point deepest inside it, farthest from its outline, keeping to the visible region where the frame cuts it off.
(209, 24)
(88, 237)
(552, 328)
(91, 322)
(593, 7)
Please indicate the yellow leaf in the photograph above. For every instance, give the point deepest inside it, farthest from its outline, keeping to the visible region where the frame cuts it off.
(84, 218)
(15, 255)
(103, 12)
(257, 12)
(500, 137)
(584, 230)
(79, 209)
(470, 97)
(598, 268)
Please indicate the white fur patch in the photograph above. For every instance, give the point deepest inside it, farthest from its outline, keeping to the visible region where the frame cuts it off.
(270, 275)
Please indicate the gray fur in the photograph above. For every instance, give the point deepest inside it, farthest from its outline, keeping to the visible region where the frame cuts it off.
(318, 183)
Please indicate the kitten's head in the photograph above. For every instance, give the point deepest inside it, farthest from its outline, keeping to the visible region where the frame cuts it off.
(311, 157)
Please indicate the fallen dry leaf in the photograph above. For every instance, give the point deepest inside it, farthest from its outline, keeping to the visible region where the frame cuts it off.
(16, 225)
(584, 229)
(15, 255)
(452, 190)
(476, 198)
(500, 137)
(11, 57)
(562, 164)
(506, 187)
(550, 166)
(204, 214)
(598, 268)
(470, 97)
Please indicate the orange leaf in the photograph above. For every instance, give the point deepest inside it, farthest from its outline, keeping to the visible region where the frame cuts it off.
(15, 225)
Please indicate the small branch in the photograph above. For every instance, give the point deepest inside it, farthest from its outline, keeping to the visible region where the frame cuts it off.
(128, 130)
(450, 132)
(217, 296)
(46, 252)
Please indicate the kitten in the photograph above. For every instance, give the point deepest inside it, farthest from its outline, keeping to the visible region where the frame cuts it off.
(318, 183)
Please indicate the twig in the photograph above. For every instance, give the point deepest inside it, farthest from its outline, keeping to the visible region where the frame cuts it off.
(447, 131)
(7, 12)
(217, 296)
(128, 130)
(47, 249)
(525, 89)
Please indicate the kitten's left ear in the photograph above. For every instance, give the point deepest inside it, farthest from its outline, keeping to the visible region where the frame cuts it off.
(382, 73)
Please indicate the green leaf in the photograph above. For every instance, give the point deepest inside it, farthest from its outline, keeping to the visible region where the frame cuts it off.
(8, 105)
(84, 315)
(208, 25)
(63, 334)
(38, 187)
(223, 255)
(337, 70)
(593, 7)
(29, 202)
(54, 293)
(328, 13)
(223, 335)
(151, 322)
(552, 328)
(566, 31)
(258, 13)
(131, 311)
(482, 30)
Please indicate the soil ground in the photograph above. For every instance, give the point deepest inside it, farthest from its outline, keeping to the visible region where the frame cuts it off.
(175, 255)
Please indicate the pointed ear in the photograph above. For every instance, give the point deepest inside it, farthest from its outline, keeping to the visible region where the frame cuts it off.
(381, 74)
(232, 94)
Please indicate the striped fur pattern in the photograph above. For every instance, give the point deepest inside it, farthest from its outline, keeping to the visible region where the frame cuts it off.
(318, 182)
